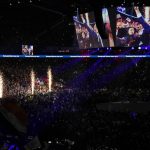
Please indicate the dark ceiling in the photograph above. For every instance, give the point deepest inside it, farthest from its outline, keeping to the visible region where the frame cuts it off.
(43, 22)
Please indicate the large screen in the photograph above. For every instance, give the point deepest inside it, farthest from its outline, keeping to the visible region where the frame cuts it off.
(130, 26)
(87, 32)
(133, 26)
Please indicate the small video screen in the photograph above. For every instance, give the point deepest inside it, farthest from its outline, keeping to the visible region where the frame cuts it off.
(87, 32)
(133, 26)
(27, 49)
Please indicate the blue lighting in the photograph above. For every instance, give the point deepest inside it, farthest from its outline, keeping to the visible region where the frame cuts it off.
(73, 56)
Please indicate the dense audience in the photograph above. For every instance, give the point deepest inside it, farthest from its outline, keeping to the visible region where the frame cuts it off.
(68, 117)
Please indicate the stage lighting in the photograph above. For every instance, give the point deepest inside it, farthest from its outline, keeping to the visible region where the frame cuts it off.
(32, 81)
(50, 79)
(132, 48)
(1, 85)
(139, 48)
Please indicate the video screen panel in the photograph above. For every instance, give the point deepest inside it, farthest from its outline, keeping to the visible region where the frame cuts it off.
(109, 42)
(133, 26)
(27, 49)
(87, 32)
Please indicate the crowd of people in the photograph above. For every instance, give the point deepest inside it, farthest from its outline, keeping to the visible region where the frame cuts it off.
(68, 117)
(68, 125)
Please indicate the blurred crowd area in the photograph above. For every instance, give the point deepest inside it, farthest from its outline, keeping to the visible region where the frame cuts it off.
(68, 117)
(109, 79)
(85, 127)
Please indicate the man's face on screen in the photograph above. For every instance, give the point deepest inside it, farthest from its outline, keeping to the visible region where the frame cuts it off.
(86, 30)
(139, 27)
(83, 29)
(131, 31)
(119, 25)
(78, 30)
